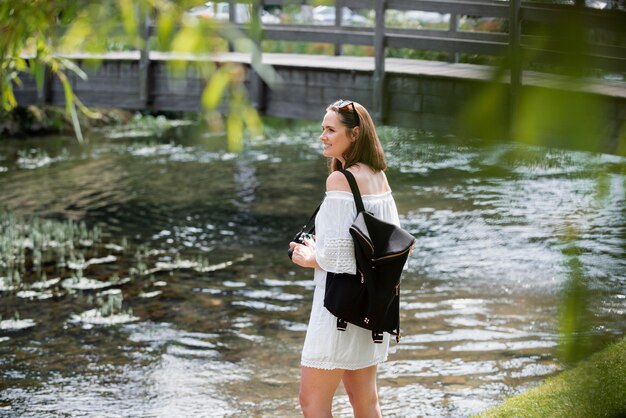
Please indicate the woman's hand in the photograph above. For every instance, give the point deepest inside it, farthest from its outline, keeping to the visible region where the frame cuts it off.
(303, 254)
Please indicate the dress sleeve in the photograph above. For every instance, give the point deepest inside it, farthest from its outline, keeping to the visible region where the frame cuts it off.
(334, 248)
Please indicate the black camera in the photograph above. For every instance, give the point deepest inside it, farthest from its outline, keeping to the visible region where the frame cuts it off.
(299, 238)
(307, 232)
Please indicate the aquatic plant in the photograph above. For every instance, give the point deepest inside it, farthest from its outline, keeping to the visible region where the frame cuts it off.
(33, 249)
(110, 303)
(36, 241)
(16, 323)
(145, 126)
(140, 267)
(109, 311)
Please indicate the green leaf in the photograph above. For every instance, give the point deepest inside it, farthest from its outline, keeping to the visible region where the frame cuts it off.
(76, 35)
(234, 125)
(14, 77)
(268, 74)
(165, 28)
(20, 64)
(129, 18)
(38, 70)
(252, 120)
(185, 41)
(76, 124)
(214, 90)
(70, 107)
(69, 94)
(8, 97)
(66, 63)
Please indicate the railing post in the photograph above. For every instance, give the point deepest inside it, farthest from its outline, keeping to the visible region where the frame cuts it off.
(338, 23)
(256, 29)
(44, 95)
(454, 27)
(232, 11)
(232, 18)
(378, 100)
(144, 62)
(258, 89)
(515, 62)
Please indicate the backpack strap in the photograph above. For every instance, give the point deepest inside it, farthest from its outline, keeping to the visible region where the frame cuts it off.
(355, 191)
(377, 336)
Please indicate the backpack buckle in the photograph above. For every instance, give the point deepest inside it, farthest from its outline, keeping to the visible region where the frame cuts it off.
(377, 337)
(341, 324)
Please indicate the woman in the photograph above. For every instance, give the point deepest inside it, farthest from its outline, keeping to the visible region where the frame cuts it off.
(330, 355)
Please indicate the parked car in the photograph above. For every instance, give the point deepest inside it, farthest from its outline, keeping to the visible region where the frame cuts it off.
(426, 17)
(220, 11)
(325, 15)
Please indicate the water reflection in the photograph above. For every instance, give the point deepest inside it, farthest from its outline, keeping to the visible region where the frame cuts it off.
(186, 303)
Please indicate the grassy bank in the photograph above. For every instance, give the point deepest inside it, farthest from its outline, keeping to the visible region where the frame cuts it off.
(594, 388)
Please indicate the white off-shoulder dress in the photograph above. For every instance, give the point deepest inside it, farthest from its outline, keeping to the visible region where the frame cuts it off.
(325, 347)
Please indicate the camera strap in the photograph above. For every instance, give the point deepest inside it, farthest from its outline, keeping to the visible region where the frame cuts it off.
(310, 225)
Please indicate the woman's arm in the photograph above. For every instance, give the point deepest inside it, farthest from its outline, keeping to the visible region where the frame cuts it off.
(304, 255)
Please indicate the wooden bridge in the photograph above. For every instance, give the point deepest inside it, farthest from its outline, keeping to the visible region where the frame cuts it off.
(402, 92)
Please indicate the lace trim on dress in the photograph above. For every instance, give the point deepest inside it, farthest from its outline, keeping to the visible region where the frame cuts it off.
(338, 255)
(327, 365)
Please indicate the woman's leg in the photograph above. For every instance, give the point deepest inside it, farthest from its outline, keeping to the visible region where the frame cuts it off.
(361, 387)
(317, 388)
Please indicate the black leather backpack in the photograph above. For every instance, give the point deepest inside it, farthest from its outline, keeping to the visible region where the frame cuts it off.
(371, 298)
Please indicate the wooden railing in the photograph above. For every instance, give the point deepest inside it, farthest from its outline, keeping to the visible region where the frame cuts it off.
(517, 45)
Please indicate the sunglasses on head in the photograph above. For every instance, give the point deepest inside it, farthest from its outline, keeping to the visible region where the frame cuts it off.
(340, 104)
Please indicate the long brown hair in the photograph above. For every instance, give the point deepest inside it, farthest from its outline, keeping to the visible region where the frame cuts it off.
(367, 148)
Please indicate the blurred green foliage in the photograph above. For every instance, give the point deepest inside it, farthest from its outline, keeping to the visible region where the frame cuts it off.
(554, 111)
(36, 34)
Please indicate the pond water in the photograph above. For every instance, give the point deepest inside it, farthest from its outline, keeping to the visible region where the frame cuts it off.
(170, 293)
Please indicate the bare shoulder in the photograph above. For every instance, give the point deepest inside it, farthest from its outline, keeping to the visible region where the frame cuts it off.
(370, 181)
(337, 181)
(385, 182)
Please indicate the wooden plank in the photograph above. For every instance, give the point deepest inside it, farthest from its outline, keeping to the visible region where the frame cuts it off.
(614, 52)
(496, 37)
(446, 44)
(103, 85)
(559, 57)
(551, 13)
(332, 94)
(424, 121)
(26, 96)
(441, 87)
(405, 102)
(359, 4)
(288, 110)
(399, 84)
(105, 100)
(440, 105)
(321, 78)
(330, 35)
